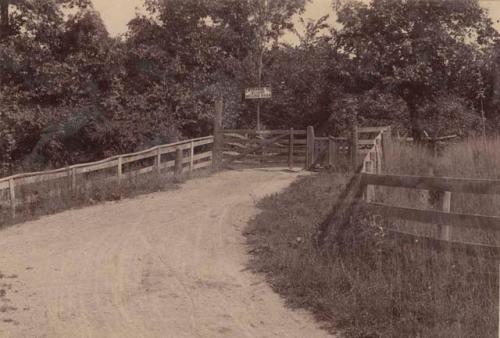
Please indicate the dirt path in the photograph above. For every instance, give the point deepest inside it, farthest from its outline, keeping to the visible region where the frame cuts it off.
(169, 264)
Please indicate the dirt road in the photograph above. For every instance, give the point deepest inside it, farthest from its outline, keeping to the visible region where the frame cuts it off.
(169, 264)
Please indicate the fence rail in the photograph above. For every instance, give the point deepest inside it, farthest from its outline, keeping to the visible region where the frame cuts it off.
(371, 176)
(264, 147)
(446, 186)
(186, 156)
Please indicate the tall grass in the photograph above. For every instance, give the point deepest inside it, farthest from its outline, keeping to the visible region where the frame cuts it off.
(472, 158)
(366, 282)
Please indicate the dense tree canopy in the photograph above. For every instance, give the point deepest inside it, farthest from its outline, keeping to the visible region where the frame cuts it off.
(69, 92)
(423, 51)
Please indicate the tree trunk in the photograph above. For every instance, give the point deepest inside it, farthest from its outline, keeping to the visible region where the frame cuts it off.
(416, 127)
(4, 18)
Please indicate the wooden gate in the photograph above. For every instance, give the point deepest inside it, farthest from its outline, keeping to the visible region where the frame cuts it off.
(265, 147)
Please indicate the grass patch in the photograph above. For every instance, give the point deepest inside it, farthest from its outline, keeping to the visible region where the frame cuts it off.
(364, 282)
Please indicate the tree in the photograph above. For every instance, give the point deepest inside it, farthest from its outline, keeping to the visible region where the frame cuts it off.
(417, 50)
(202, 49)
(46, 74)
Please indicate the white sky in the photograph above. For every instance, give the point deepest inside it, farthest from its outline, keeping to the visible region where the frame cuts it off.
(117, 13)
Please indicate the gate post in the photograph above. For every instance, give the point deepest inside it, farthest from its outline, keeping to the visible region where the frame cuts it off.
(332, 151)
(179, 159)
(218, 136)
(310, 147)
(354, 146)
(386, 141)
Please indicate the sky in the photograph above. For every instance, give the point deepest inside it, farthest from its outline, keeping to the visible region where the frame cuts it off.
(117, 13)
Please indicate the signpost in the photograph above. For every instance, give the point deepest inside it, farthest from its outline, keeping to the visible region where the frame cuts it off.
(258, 93)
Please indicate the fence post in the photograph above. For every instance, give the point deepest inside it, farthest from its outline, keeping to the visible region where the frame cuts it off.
(370, 168)
(191, 156)
(310, 147)
(369, 190)
(445, 230)
(290, 149)
(386, 140)
(12, 196)
(331, 151)
(158, 160)
(178, 162)
(73, 180)
(218, 136)
(70, 178)
(379, 154)
(120, 168)
(354, 146)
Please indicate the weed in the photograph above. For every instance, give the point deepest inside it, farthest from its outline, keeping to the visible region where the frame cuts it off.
(365, 282)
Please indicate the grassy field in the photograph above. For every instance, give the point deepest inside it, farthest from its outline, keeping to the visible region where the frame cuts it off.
(364, 282)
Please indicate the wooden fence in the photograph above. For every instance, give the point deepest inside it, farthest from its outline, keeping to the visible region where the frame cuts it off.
(443, 218)
(372, 176)
(265, 147)
(175, 157)
(331, 150)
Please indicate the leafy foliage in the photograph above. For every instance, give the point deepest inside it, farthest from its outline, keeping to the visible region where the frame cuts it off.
(70, 92)
(417, 50)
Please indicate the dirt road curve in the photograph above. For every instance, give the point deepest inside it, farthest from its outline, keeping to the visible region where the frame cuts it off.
(169, 264)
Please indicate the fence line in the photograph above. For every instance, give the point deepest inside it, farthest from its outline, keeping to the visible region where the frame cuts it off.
(371, 176)
(444, 218)
(194, 161)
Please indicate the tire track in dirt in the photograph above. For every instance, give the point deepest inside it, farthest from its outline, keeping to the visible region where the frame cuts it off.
(168, 264)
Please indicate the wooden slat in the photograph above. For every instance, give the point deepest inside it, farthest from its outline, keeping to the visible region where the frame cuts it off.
(369, 142)
(202, 165)
(436, 217)
(171, 148)
(274, 159)
(201, 142)
(238, 136)
(41, 178)
(255, 141)
(198, 157)
(262, 132)
(168, 149)
(473, 186)
(371, 129)
(142, 171)
(96, 167)
(168, 164)
(147, 154)
(236, 145)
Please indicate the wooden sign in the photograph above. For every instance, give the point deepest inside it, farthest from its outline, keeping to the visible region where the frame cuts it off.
(258, 93)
